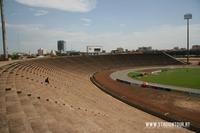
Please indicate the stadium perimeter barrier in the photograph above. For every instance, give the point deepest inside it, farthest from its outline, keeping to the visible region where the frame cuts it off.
(157, 87)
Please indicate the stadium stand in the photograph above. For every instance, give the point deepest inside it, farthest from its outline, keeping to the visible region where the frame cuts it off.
(69, 102)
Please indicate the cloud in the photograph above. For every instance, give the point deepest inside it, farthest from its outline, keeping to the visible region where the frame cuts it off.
(34, 36)
(65, 5)
(37, 12)
(86, 21)
(41, 13)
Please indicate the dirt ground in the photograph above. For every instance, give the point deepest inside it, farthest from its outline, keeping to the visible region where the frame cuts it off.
(177, 105)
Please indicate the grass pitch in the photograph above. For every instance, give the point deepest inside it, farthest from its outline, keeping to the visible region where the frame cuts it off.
(184, 77)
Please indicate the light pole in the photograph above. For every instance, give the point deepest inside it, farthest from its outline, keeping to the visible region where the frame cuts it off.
(3, 31)
(188, 16)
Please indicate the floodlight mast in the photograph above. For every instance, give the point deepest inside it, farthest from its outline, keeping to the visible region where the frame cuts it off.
(188, 16)
(3, 31)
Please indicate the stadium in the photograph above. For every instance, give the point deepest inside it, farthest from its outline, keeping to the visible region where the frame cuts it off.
(69, 101)
(99, 66)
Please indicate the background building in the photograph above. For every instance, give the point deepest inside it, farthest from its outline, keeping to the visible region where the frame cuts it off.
(94, 50)
(196, 47)
(118, 51)
(41, 51)
(53, 53)
(176, 48)
(144, 49)
(61, 46)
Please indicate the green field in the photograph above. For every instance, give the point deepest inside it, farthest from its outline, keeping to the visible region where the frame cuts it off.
(185, 77)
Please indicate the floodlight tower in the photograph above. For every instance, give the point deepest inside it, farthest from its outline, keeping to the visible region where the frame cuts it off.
(188, 16)
(3, 31)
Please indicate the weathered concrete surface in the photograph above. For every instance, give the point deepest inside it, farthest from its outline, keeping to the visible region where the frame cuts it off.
(69, 102)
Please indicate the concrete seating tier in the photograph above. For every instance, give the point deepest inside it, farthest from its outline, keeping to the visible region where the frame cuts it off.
(69, 102)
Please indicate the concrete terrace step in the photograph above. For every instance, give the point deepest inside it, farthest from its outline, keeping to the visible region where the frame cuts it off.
(19, 118)
(69, 102)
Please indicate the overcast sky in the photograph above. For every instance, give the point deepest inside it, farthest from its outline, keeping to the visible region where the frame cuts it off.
(34, 24)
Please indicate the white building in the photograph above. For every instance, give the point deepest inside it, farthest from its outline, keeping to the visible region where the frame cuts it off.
(41, 51)
(53, 52)
(94, 50)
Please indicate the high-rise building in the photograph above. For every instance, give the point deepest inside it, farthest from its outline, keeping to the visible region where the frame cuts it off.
(61, 46)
